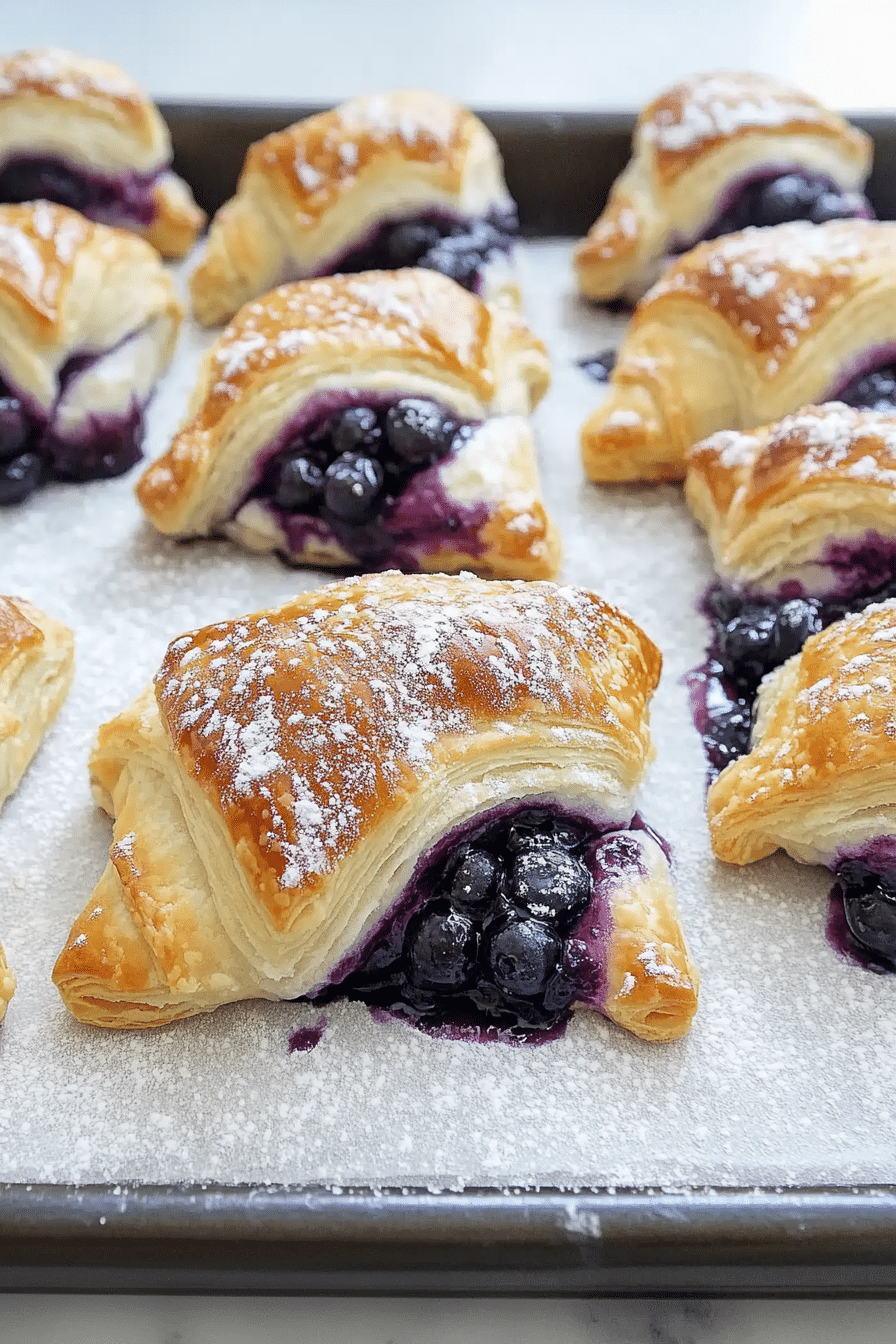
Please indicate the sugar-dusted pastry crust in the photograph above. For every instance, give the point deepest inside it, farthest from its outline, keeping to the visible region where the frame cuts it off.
(70, 287)
(91, 115)
(308, 193)
(36, 668)
(740, 332)
(693, 145)
(414, 333)
(775, 502)
(274, 793)
(820, 777)
(7, 984)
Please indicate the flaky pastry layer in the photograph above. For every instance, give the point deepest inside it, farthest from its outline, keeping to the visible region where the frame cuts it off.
(740, 332)
(36, 669)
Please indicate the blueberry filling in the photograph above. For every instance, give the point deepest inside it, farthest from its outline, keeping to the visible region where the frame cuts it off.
(869, 904)
(348, 469)
(787, 197)
(124, 199)
(874, 391)
(456, 248)
(750, 637)
(493, 942)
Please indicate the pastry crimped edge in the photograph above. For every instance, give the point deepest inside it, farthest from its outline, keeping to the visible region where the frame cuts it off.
(820, 776)
(740, 332)
(772, 501)
(684, 157)
(412, 331)
(308, 193)
(68, 285)
(182, 922)
(36, 669)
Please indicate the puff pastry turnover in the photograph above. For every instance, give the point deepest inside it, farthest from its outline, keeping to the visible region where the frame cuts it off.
(36, 668)
(417, 791)
(88, 323)
(7, 985)
(801, 521)
(369, 421)
(80, 132)
(742, 331)
(396, 179)
(715, 154)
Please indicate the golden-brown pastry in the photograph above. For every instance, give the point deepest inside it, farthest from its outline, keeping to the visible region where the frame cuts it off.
(88, 323)
(801, 506)
(36, 668)
(301, 787)
(740, 332)
(717, 153)
(7, 984)
(388, 180)
(375, 420)
(80, 132)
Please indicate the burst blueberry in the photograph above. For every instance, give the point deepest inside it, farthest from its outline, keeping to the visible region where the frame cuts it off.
(13, 427)
(43, 179)
(407, 243)
(455, 257)
(795, 622)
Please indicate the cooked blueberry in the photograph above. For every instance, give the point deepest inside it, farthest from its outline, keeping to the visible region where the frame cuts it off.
(19, 477)
(530, 829)
(407, 243)
(523, 954)
(13, 427)
(42, 179)
(830, 205)
(796, 621)
(600, 366)
(355, 431)
(298, 482)
(441, 950)
(550, 883)
(351, 486)
(728, 735)
(785, 198)
(871, 915)
(456, 258)
(723, 603)
(475, 882)
(746, 645)
(419, 431)
(874, 391)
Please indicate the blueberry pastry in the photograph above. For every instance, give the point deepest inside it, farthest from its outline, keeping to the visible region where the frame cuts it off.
(371, 421)
(88, 322)
(741, 332)
(820, 778)
(718, 153)
(415, 791)
(80, 132)
(802, 528)
(7, 985)
(381, 182)
(36, 667)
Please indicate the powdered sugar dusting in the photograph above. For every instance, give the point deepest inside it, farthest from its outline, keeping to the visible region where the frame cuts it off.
(712, 106)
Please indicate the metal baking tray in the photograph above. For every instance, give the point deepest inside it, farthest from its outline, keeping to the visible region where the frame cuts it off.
(242, 1238)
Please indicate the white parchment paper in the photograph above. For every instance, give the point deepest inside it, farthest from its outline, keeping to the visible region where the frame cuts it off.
(788, 1075)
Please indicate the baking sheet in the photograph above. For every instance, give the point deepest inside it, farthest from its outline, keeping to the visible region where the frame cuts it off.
(787, 1076)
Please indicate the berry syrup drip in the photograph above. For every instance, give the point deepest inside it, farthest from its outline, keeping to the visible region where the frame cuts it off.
(862, 916)
(787, 197)
(490, 949)
(128, 198)
(456, 248)
(750, 637)
(348, 470)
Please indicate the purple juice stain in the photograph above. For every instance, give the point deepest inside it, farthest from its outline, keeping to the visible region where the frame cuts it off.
(598, 367)
(304, 1039)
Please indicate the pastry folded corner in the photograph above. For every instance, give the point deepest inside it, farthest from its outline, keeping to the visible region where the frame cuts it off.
(178, 220)
(639, 431)
(37, 663)
(242, 259)
(611, 259)
(651, 983)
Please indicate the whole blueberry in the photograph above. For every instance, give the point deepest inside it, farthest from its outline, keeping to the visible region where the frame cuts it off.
(13, 427)
(727, 734)
(746, 644)
(298, 482)
(871, 915)
(830, 205)
(351, 487)
(795, 622)
(475, 883)
(19, 477)
(355, 430)
(441, 950)
(407, 243)
(785, 198)
(455, 257)
(523, 955)
(419, 431)
(551, 884)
